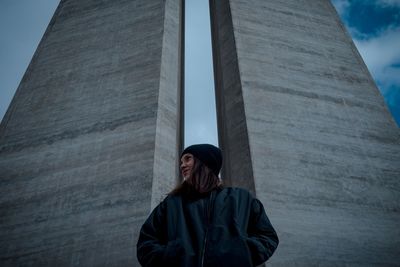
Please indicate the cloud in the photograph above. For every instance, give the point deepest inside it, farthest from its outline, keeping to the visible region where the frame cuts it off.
(341, 6)
(392, 3)
(366, 19)
(382, 56)
(375, 28)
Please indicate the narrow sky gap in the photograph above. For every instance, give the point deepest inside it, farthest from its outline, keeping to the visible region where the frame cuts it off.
(200, 111)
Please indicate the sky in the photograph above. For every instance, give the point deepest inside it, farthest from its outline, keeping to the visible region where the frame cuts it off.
(200, 112)
(373, 24)
(375, 28)
(22, 25)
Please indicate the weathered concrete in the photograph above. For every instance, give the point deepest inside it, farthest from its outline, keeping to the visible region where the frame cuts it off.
(89, 143)
(297, 104)
(232, 128)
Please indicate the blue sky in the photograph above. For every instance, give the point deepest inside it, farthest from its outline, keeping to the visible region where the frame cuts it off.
(22, 25)
(373, 25)
(375, 29)
(200, 113)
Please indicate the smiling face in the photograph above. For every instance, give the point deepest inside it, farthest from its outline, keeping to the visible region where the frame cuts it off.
(187, 163)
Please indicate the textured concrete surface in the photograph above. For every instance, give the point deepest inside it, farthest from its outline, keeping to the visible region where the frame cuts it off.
(231, 118)
(90, 140)
(297, 103)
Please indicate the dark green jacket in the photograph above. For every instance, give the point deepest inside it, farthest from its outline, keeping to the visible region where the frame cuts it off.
(227, 227)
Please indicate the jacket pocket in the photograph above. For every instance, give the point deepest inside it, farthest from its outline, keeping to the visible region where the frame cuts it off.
(173, 253)
(232, 252)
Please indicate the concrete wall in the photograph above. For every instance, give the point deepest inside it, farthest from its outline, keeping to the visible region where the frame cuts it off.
(89, 143)
(297, 103)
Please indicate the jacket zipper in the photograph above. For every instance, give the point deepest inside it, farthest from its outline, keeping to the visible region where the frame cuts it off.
(204, 248)
(208, 215)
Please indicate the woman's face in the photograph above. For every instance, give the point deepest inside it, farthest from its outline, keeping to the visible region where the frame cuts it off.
(187, 162)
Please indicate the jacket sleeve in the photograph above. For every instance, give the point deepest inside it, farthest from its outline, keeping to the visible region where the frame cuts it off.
(262, 238)
(153, 248)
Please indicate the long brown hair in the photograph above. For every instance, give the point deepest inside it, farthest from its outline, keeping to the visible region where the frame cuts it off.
(202, 180)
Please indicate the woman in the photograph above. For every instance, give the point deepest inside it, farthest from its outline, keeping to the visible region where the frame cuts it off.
(202, 223)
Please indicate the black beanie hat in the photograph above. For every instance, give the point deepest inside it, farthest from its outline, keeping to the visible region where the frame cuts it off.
(210, 155)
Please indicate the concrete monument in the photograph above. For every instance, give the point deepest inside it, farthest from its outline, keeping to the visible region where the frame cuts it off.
(91, 140)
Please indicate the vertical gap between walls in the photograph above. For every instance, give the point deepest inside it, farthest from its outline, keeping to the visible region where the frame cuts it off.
(199, 120)
(181, 91)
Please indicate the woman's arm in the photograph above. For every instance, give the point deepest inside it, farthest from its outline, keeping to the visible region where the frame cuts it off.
(153, 248)
(262, 238)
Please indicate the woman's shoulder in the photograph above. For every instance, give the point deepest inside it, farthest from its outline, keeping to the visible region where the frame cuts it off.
(172, 198)
(237, 191)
